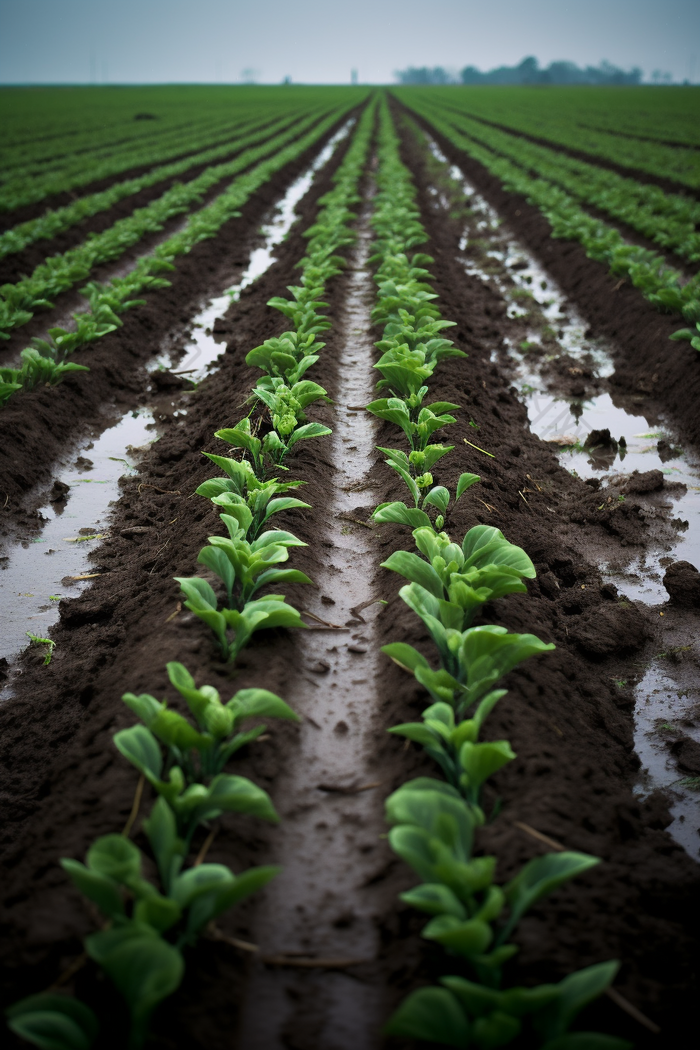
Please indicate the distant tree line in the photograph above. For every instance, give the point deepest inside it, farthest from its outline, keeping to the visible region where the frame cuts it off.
(528, 72)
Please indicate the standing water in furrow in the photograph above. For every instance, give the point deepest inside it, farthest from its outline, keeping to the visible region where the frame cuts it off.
(87, 482)
(315, 927)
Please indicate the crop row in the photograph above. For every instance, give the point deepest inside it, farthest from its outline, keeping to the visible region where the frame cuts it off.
(80, 171)
(56, 274)
(435, 821)
(147, 925)
(668, 219)
(45, 361)
(513, 112)
(661, 284)
(41, 126)
(56, 220)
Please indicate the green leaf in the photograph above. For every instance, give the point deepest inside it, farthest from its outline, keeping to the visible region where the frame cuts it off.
(573, 993)
(415, 569)
(116, 857)
(438, 497)
(431, 1014)
(405, 656)
(309, 430)
(168, 849)
(140, 747)
(98, 888)
(402, 515)
(143, 967)
(435, 899)
(251, 703)
(53, 1022)
(468, 938)
(465, 482)
(543, 875)
(481, 760)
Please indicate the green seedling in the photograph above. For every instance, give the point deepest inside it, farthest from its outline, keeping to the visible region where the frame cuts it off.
(268, 453)
(48, 642)
(203, 752)
(287, 356)
(433, 831)
(241, 488)
(419, 430)
(245, 567)
(270, 611)
(437, 496)
(484, 568)
(287, 404)
(471, 661)
(141, 948)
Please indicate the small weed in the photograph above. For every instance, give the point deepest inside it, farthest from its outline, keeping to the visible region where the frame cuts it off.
(48, 642)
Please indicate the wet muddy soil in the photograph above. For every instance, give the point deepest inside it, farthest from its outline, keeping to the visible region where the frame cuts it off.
(40, 426)
(666, 373)
(669, 185)
(13, 267)
(569, 720)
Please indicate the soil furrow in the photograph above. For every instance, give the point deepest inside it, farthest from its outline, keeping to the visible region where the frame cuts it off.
(14, 266)
(666, 373)
(669, 185)
(568, 723)
(69, 301)
(117, 379)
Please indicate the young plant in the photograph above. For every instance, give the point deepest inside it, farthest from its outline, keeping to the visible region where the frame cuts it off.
(245, 567)
(241, 488)
(268, 452)
(417, 423)
(437, 496)
(485, 567)
(202, 752)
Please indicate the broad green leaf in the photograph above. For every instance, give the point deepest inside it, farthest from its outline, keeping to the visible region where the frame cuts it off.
(573, 993)
(541, 876)
(481, 760)
(465, 482)
(405, 656)
(98, 888)
(116, 857)
(435, 899)
(431, 1014)
(402, 515)
(53, 1022)
(415, 569)
(468, 938)
(141, 748)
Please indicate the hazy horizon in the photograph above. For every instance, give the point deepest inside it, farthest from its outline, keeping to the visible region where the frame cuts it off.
(225, 41)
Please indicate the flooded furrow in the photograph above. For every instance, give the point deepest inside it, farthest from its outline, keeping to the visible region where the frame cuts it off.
(320, 907)
(36, 572)
(603, 435)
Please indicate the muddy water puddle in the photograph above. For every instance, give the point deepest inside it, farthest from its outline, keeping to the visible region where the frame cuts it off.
(36, 572)
(328, 844)
(666, 704)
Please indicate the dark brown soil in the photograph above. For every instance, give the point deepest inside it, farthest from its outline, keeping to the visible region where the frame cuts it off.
(31, 438)
(14, 267)
(63, 783)
(669, 185)
(668, 373)
(58, 200)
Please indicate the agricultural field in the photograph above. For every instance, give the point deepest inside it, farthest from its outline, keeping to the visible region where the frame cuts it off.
(350, 489)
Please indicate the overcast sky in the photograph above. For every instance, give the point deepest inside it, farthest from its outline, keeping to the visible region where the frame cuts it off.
(320, 41)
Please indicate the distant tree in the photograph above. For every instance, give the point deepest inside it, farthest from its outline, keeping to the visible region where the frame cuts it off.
(529, 72)
(424, 75)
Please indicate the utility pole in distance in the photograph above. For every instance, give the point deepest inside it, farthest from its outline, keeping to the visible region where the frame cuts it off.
(353, 76)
